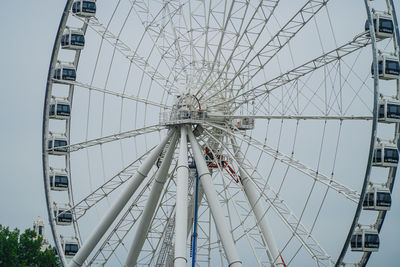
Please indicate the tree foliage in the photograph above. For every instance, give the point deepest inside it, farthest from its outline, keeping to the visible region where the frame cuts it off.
(24, 250)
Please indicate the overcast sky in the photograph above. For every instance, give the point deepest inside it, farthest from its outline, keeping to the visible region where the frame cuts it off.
(28, 30)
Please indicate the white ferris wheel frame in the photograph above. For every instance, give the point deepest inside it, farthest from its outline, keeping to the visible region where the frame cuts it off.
(143, 164)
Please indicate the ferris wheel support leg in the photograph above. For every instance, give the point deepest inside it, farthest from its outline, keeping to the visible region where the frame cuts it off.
(222, 228)
(256, 203)
(191, 208)
(118, 205)
(180, 259)
(150, 207)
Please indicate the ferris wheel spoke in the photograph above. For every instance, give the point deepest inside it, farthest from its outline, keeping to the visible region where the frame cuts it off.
(290, 161)
(227, 32)
(351, 194)
(119, 204)
(139, 61)
(360, 41)
(302, 234)
(254, 28)
(107, 188)
(113, 93)
(290, 96)
(155, 27)
(296, 117)
(335, 97)
(280, 207)
(276, 43)
(114, 137)
(150, 207)
(178, 38)
(214, 40)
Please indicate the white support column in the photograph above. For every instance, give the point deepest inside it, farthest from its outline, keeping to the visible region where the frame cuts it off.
(213, 202)
(150, 207)
(181, 214)
(190, 220)
(118, 205)
(256, 203)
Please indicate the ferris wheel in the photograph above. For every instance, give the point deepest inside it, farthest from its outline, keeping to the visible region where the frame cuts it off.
(221, 133)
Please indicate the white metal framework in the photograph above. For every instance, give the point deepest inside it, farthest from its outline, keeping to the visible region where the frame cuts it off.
(221, 133)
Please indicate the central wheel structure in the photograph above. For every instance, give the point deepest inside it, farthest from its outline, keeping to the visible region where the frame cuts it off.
(221, 133)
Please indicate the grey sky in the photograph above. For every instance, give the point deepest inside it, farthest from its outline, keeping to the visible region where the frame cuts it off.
(28, 30)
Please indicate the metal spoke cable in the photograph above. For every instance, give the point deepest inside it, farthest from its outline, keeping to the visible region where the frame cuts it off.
(105, 189)
(351, 194)
(284, 35)
(360, 41)
(155, 32)
(131, 55)
(326, 191)
(104, 96)
(270, 5)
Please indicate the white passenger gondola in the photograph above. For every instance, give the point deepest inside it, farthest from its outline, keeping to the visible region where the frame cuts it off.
(377, 198)
(59, 109)
(57, 144)
(365, 240)
(84, 8)
(62, 214)
(65, 71)
(244, 123)
(70, 246)
(59, 180)
(73, 39)
(389, 110)
(388, 67)
(383, 25)
(385, 155)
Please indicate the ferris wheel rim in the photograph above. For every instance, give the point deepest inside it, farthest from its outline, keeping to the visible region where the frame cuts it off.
(49, 85)
(392, 172)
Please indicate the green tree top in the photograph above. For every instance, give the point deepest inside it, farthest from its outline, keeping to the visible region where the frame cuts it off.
(24, 250)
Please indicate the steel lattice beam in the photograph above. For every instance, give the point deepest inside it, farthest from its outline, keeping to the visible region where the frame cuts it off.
(360, 41)
(77, 84)
(277, 42)
(107, 188)
(114, 137)
(287, 216)
(351, 194)
(131, 55)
